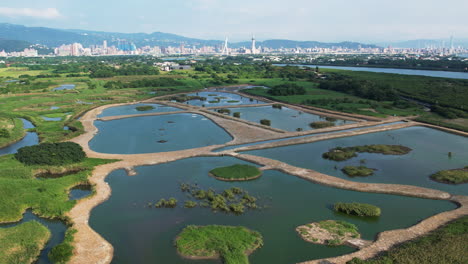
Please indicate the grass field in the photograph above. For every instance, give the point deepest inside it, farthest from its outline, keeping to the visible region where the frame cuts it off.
(22, 243)
(239, 172)
(14, 126)
(231, 243)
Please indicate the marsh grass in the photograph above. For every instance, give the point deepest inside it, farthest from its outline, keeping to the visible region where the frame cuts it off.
(231, 244)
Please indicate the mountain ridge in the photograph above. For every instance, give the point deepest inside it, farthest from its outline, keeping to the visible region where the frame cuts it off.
(55, 37)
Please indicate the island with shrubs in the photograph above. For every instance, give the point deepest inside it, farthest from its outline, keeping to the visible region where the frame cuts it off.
(231, 244)
(455, 176)
(345, 153)
(236, 172)
(328, 232)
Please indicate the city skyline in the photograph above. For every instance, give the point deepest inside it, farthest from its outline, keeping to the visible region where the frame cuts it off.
(333, 21)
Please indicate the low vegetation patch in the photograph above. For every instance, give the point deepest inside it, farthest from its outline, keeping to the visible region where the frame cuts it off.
(184, 98)
(358, 171)
(265, 122)
(63, 251)
(236, 114)
(329, 232)
(321, 124)
(277, 106)
(22, 243)
(345, 153)
(230, 243)
(445, 245)
(359, 209)
(233, 200)
(224, 111)
(144, 108)
(456, 176)
(236, 172)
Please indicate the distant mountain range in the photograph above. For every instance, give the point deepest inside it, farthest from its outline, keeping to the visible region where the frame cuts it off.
(55, 37)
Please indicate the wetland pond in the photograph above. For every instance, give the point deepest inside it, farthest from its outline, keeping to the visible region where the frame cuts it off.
(57, 230)
(30, 139)
(131, 109)
(149, 134)
(214, 98)
(429, 155)
(284, 118)
(141, 234)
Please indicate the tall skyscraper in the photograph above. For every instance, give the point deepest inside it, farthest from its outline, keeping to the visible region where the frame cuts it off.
(254, 49)
(225, 50)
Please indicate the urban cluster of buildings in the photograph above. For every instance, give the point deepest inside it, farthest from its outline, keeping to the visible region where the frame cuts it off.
(124, 47)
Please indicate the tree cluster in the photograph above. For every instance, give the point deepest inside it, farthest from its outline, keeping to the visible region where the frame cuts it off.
(51, 154)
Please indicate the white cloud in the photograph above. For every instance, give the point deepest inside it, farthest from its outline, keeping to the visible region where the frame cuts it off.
(47, 13)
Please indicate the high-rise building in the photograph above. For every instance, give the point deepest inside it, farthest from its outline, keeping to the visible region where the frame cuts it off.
(254, 49)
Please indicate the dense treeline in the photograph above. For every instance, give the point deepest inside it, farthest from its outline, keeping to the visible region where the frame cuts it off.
(158, 82)
(287, 89)
(51, 154)
(361, 88)
(104, 71)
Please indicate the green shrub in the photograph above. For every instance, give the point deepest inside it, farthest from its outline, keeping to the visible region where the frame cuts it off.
(63, 251)
(277, 106)
(51, 154)
(357, 171)
(321, 124)
(190, 204)
(359, 209)
(144, 108)
(456, 176)
(236, 172)
(4, 133)
(224, 111)
(340, 153)
(236, 114)
(265, 122)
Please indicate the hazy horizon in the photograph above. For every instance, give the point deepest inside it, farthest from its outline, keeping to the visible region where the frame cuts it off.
(363, 21)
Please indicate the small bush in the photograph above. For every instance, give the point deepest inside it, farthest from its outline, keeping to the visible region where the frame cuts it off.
(236, 114)
(4, 133)
(224, 111)
(277, 106)
(51, 154)
(265, 122)
(144, 108)
(359, 209)
(321, 124)
(360, 171)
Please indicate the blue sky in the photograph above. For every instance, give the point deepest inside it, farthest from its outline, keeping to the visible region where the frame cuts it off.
(325, 20)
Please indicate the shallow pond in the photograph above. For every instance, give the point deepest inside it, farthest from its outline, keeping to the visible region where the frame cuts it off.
(30, 139)
(429, 155)
(57, 229)
(65, 87)
(222, 99)
(284, 118)
(80, 192)
(150, 134)
(146, 235)
(131, 110)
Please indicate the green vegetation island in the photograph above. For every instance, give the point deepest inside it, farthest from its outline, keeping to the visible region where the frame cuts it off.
(358, 209)
(144, 108)
(328, 232)
(358, 171)
(230, 243)
(236, 172)
(345, 153)
(233, 200)
(455, 176)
